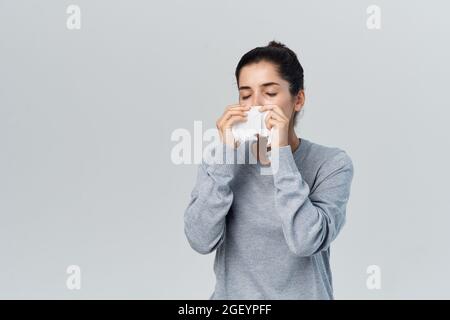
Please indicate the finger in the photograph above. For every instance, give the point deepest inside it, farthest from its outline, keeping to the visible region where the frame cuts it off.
(265, 107)
(275, 108)
(266, 120)
(277, 116)
(232, 106)
(233, 120)
(237, 107)
(272, 123)
(230, 114)
(235, 113)
(244, 109)
(273, 119)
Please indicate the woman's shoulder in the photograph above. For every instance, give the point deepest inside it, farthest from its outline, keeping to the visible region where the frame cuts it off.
(326, 155)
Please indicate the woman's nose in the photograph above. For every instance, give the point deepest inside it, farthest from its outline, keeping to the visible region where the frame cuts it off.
(257, 100)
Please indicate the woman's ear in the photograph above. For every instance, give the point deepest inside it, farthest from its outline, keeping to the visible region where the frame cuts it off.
(299, 100)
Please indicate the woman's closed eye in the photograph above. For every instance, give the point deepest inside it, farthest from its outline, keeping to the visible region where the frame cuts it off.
(268, 93)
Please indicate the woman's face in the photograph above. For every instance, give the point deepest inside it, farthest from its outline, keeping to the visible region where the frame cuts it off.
(260, 84)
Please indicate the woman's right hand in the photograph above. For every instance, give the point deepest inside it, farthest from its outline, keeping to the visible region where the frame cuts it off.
(233, 114)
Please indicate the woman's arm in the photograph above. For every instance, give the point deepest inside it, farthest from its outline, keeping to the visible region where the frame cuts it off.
(211, 199)
(204, 218)
(312, 220)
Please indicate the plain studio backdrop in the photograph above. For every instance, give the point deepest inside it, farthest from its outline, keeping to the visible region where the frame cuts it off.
(86, 117)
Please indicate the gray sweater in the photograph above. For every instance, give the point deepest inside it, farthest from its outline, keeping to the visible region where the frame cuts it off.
(271, 233)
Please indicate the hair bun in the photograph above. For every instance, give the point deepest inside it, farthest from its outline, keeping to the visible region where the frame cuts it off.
(276, 44)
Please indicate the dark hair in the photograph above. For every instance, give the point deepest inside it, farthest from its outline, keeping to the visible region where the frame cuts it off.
(285, 60)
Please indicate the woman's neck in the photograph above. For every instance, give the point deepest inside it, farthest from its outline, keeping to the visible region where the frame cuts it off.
(293, 140)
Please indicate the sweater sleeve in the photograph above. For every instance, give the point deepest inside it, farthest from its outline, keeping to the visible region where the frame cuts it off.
(211, 199)
(311, 220)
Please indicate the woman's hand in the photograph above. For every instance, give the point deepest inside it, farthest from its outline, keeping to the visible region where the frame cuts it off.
(279, 121)
(233, 114)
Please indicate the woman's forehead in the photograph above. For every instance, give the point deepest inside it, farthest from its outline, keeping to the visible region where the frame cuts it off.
(260, 74)
(262, 67)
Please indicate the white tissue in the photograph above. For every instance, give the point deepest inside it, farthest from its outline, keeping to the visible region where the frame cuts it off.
(255, 124)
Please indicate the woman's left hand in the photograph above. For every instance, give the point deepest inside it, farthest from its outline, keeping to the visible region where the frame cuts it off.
(279, 121)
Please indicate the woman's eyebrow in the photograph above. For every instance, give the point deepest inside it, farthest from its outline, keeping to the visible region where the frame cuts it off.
(262, 85)
(269, 84)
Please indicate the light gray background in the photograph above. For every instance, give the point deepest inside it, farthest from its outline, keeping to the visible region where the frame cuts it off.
(86, 118)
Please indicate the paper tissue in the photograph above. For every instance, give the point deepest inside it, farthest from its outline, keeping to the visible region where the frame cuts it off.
(255, 124)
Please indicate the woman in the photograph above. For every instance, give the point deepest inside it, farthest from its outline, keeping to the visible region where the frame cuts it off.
(271, 233)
